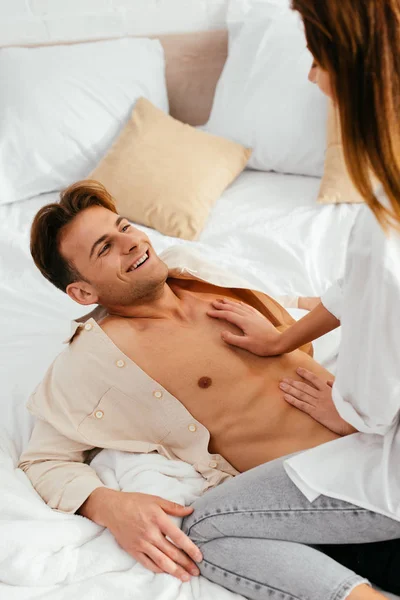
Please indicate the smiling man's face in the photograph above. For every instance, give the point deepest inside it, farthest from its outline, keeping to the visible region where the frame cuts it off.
(116, 261)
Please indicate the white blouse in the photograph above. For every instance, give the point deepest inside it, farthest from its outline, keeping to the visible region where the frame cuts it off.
(363, 468)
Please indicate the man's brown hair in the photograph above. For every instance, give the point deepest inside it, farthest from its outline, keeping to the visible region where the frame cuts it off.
(52, 218)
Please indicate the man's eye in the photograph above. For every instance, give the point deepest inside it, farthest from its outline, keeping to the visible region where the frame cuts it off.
(125, 227)
(104, 249)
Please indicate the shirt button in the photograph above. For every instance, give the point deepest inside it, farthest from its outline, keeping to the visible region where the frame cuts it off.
(212, 464)
(99, 414)
(120, 363)
(157, 394)
(88, 326)
(192, 428)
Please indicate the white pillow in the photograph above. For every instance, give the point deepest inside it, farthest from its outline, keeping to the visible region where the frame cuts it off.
(263, 99)
(62, 106)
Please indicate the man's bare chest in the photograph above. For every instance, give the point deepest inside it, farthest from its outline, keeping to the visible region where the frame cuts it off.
(193, 363)
(190, 358)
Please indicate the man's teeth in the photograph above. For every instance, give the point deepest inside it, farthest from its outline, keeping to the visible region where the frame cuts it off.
(139, 262)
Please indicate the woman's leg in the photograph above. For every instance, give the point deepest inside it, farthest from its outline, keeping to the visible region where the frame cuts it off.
(262, 569)
(379, 561)
(256, 533)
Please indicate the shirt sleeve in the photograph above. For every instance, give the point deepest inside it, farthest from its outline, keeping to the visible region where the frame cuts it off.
(55, 466)
(333, 299)
(367, 386)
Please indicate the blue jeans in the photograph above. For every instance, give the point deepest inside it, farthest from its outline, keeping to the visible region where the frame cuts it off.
(261, 537)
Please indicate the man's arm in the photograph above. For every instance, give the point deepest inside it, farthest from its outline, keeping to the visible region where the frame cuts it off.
(55, 465)
(139, 522)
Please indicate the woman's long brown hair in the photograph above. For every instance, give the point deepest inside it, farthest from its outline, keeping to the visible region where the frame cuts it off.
(358, 43)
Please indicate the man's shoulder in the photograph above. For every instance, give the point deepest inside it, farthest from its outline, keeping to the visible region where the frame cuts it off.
(73, 375)
(112, 327)
(111, 324)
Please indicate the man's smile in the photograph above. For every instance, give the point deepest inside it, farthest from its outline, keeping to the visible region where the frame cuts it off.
(139, 262)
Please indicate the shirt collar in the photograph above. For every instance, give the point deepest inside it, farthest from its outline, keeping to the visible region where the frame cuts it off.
(183, 263)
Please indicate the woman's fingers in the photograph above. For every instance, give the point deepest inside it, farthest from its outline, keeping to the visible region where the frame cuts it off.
(318, 383)
(303, 391)
(303, 406)
(228, 315)
(240, 307)
(240, 341)
(228, 306)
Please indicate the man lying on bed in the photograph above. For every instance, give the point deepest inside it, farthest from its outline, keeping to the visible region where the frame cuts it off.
(151, 370)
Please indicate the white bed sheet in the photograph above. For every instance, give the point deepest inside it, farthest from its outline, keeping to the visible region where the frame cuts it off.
(266, 226)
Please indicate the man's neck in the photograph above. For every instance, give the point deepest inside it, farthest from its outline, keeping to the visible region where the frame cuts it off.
(164, 304)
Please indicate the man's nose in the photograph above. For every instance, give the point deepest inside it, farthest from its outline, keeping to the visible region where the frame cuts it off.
(129, 243)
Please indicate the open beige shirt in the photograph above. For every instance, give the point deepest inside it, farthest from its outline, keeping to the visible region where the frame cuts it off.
(94, 396)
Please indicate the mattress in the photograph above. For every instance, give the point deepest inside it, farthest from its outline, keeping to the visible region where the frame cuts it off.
(266, 227)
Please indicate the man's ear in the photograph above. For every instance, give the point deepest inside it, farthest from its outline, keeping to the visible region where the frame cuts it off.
(82, 293)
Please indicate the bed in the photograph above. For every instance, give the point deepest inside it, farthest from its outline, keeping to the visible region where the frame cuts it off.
(267, 228)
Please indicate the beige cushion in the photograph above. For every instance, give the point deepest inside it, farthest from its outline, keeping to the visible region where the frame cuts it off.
(168, 175)
(336, 185)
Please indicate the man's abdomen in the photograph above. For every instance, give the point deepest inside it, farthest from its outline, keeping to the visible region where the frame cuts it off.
(261, 426)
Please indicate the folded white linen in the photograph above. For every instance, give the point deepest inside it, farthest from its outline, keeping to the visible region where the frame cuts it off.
(48, 554)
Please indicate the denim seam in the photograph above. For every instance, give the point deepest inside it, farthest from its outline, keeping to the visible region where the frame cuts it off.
(262, 585)
(287, 512)
(345, 587)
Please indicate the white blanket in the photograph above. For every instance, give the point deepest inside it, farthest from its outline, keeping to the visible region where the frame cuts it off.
(47, 554)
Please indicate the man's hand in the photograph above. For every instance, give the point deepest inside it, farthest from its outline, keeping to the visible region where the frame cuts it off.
(140, 524)
(259, 335)
(315, 399)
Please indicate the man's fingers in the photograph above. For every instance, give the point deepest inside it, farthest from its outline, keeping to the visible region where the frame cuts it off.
(177, 556)
(290, 385)
(308, 376)
(303, 406)
(145, 561)
(228, 315)
(330, 383)
(166, 564)
(174, 509)
(180, 539)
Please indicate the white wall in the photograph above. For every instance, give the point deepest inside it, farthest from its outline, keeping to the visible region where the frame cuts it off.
(46, 21)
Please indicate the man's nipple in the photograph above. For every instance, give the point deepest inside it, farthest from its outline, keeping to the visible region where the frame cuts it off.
(204, 382)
